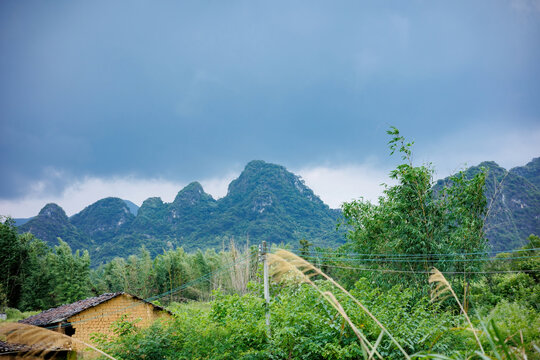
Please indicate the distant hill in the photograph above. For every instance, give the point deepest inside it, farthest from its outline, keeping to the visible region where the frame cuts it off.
(513, 199)
(531, 172)
(52, 223)
(104, 219)
(266, 202)
(133, 208)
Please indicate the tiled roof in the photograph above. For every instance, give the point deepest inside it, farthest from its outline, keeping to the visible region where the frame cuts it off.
(63, 312)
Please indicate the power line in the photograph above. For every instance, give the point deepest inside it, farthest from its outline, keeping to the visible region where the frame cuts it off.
(338, 253)
(409, 260)
(428, 272)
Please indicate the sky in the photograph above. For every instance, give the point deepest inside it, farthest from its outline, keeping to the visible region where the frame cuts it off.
(138, 98)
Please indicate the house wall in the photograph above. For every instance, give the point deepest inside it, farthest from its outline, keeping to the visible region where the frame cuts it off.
(99, 319)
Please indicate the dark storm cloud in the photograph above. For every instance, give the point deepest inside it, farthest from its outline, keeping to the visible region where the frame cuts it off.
(183, 90)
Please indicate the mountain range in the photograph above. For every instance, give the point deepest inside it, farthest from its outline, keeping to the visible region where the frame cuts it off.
(266, 202)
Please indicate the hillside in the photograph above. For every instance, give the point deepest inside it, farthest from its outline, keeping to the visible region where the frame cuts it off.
(266, 202)
(531, 172)
(52, 223)
(513, 199)
(104, 219)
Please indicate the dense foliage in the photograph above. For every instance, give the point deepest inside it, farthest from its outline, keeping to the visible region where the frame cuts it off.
(305, 326)
(40, 277)
(418, 223)
(169, 273)
(37, 276)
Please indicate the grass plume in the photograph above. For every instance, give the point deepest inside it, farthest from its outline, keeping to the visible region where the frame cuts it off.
(443, 287)
(285, 264)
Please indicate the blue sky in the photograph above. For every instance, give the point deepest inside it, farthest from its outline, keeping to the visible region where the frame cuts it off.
(138, 98)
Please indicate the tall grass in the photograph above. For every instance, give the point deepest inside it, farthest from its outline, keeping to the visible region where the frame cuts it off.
(443, 286)
(241, 272)
(500, 346)
(286, 265)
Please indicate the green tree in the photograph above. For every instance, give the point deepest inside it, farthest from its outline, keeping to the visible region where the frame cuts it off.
(71, 273)
(521, 283)
(38, 283)
(13, 254)
(413, 227)
(171, 270)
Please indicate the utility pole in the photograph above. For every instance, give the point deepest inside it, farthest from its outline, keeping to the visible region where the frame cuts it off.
(264, 257)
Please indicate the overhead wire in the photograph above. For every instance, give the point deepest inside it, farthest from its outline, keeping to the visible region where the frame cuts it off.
(428, 272)
(337, 253)
(408, 260)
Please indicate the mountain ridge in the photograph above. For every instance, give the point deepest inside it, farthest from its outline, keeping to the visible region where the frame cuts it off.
(266, 202)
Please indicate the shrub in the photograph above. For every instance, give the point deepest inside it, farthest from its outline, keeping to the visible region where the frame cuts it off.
(514, 323)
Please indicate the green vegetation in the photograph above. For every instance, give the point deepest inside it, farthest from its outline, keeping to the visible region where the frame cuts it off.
(305, 326)
(412, 219)
(40, 277)
(414, 279)
(13, 315)
(37, 276)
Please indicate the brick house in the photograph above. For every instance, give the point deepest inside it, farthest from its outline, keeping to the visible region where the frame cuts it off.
(96, 315)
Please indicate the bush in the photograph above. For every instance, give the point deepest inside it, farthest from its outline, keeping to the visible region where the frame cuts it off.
(515, 287)
(14, 314)
(514, 322)
(419, 325)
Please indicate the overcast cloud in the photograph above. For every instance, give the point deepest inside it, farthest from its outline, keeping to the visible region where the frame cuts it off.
(138, 98)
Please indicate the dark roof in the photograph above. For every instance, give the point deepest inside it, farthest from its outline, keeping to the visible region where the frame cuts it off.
(62, 313)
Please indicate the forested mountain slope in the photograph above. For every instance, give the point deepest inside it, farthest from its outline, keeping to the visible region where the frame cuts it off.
(52, 223)
(266, 202)
(513, 200)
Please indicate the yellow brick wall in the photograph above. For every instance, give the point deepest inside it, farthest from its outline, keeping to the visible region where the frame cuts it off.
(100, 318)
